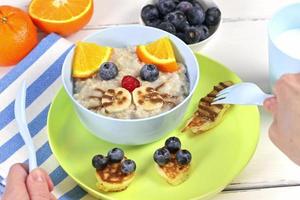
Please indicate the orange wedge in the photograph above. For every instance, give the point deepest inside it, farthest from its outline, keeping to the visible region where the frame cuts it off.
(87, 59)
(61, 16)
(160, 53)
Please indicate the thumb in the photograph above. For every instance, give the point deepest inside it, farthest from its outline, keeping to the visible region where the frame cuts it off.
(37, 185)
(270, 104)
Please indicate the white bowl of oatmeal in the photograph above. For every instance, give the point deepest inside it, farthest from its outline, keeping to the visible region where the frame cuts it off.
(137, 120)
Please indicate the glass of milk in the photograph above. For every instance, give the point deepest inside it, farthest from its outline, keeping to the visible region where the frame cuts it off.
(284, 42)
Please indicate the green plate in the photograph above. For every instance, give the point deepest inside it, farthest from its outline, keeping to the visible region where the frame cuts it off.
(219, 155)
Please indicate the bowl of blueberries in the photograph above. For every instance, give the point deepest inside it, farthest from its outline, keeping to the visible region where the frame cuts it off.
(193, 21)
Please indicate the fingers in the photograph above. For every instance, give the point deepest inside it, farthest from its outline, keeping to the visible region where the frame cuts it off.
(270, 105)
(16, 187)
(38, 185)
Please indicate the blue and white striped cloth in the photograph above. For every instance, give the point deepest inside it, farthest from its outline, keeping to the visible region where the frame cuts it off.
(42, 70)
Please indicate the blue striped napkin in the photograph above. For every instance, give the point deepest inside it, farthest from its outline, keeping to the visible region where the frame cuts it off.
(42, 70)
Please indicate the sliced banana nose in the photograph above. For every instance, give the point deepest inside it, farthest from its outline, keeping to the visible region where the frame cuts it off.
(116, 100)
(147, 98)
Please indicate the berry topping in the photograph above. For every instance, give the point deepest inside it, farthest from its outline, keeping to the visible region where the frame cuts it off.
(184, 6)
(162, 156)
(115, 155)
(128, 166)
(166, 6)
(195, 16)
(149, 73)
(99, 162)
(192, 35)
(212, 16)
(173, 144)
(149, 12)
(183, 157)
(130, 83)
(108, 71)
(167, 26)
(178, 19)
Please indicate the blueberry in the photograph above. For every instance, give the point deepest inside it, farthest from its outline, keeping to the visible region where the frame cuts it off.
(99, 162)
(197, 4)
(173, 144)
(205, 32)
(183, 157)
(153, 23)
(192, 35)
(180, 35)
(149, 12)
(166, 6)
(115, 155)
(167, 26)
(195, 16)
(178, 19)
(128, 166)
(184, 6)
(212, 16)
(162, 156)
(108, 71)
(149, 73)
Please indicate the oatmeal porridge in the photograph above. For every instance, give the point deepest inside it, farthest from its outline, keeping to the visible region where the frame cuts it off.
(127, 88)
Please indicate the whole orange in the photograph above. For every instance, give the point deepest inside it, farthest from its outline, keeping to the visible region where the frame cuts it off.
(18, 35)
(61, 16)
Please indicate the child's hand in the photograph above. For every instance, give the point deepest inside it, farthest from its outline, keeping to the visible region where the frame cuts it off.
(23, 186)
(285, 108)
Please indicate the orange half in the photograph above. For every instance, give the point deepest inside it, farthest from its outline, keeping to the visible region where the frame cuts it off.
(87, 59)
(160, 53)
(61, 16)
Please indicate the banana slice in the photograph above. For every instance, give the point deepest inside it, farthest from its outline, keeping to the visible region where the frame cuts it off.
(116, 100)
(147, 98)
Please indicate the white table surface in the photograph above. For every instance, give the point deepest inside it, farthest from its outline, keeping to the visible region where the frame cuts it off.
(241, 45)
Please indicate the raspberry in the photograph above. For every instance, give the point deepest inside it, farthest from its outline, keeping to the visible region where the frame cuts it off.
(130, 83)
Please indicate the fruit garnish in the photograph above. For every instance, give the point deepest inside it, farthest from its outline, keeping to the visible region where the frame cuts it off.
(108, 71)
(147, 98)
(159, 53)
(183, 157)
(128, 166)
(99, 162)
(18, 35)
(116, 100)
(115, 155)
(87, 59)
(162, 156)
(173, 144)
(130, 83)
(61, 16)
(149, 73)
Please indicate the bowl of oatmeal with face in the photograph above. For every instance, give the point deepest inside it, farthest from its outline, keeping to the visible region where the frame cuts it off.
(130, 84)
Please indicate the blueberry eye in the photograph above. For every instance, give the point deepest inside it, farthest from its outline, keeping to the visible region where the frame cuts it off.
(149, 73)
(108, 71)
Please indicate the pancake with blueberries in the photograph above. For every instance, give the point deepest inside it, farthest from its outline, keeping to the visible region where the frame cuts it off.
(173, 163)
(114, 172)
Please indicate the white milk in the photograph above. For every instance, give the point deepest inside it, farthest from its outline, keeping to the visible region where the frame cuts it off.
(289, 42)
